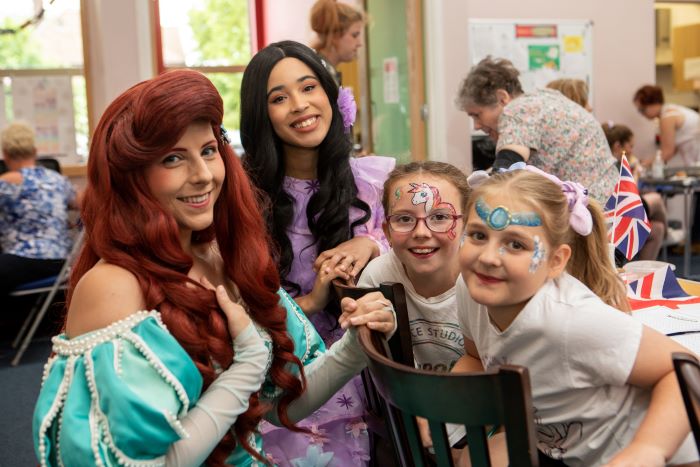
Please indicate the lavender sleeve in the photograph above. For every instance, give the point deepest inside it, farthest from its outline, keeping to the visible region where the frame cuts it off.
(370, 174)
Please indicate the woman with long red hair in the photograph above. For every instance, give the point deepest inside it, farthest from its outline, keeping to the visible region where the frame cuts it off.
(168, 212)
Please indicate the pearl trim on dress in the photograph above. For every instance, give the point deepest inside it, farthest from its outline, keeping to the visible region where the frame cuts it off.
(82, 346)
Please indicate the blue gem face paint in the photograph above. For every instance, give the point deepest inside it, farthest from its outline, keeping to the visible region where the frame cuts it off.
(538, 255)
(501, 217)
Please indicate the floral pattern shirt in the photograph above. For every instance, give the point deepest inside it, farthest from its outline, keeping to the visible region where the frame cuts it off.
(34, 214)
(564, 139)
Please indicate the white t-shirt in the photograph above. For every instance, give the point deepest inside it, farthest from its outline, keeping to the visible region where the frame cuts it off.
(437, 340)
(579, 353)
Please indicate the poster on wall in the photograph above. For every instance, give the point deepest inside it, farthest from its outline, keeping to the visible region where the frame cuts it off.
(542, 50)
(46, 102)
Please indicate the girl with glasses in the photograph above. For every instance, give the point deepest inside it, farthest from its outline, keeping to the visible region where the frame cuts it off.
(424, 202)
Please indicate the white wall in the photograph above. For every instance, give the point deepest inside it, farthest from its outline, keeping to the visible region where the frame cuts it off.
(623, 60)
(119, 49)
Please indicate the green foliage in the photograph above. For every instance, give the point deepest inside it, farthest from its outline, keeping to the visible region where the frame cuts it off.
(221, 30)
(18, 50)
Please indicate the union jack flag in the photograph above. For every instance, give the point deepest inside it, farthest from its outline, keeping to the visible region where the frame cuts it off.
(659, 288)
(624, 210)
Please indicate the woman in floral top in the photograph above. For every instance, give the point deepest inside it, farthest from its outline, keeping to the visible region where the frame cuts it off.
(543, 128)
(34, 203)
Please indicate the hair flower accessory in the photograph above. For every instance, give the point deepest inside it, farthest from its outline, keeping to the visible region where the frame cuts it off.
(347, 106)
(224, 135)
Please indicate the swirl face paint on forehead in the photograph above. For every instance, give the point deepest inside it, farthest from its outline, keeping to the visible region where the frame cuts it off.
(500, 217)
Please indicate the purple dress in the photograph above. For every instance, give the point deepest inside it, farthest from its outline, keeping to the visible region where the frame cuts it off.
(338, 433)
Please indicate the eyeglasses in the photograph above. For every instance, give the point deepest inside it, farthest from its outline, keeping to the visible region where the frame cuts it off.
(438, 222)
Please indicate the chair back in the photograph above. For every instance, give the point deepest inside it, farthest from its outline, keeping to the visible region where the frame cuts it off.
(383, 450)
(476, 400)
(400, 343)
(688, 374)
(48, 162)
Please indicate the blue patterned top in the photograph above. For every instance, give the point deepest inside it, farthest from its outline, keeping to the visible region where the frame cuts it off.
(34, 214)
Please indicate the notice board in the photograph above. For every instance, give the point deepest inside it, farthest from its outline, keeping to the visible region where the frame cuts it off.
(542, 50)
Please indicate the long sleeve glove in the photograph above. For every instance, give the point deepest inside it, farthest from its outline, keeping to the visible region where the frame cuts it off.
(223, 401)
(325, 376)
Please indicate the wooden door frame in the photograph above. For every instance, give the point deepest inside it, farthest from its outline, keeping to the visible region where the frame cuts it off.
(416, 78)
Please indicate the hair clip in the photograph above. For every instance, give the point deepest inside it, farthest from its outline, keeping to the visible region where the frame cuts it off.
(500, 217)
(224, 135)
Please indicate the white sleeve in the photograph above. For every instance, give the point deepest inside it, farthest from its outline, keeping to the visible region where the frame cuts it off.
(223, 401)
(325, 376)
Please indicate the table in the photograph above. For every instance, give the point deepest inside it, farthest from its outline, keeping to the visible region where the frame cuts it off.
(687, 186)
(679, 319)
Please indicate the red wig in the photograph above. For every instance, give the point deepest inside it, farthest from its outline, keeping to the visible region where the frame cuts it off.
(126, 226)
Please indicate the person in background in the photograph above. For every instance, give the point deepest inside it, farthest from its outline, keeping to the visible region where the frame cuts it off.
(621, 141)
(679, 142)
(543, 128)
(322, 207)
(178, 339)
(574, 89)
(34, 205)
(338, 27)
(679, 126)
(538, 291)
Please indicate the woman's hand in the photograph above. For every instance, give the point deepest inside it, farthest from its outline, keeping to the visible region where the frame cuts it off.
(351, 256)
(236, 315)
(372, 309)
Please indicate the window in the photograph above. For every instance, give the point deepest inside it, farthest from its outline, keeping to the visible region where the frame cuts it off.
(41, 67)
(211, 36)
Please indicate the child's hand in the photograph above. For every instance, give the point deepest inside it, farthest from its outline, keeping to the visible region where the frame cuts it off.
(424, 431)
(320, 294)
(372, 309)
(638, 455)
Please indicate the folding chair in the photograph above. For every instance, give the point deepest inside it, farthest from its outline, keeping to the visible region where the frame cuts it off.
(47, 289)
(475, 400)
(688, 374)
(381, 445)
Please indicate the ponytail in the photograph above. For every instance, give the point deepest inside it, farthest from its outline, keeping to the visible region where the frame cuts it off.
(591, 265)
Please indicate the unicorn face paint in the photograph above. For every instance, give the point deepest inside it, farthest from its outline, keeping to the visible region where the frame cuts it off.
(428, 257)
(430, 196)
(503, 259)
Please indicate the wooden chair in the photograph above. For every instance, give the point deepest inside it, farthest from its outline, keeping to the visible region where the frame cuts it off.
(475, 400)
(688, 374)
(383, 450)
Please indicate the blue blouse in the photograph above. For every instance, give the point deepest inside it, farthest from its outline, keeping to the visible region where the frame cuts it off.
(34, 215)
(115, 396)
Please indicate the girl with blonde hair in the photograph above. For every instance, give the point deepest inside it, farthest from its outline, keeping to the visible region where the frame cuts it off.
(542, 294)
